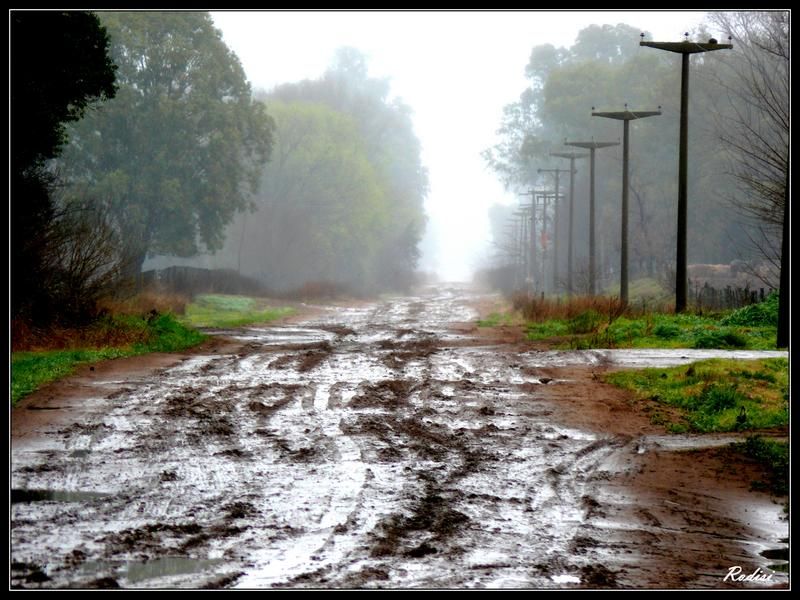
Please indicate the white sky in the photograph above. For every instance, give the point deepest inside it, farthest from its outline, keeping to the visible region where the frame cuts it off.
(456, 70)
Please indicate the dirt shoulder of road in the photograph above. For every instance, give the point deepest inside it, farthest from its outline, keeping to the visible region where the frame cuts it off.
(59, 402)
(708, 490)
(703, 493)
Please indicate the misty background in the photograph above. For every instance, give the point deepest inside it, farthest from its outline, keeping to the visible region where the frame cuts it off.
(353, 151)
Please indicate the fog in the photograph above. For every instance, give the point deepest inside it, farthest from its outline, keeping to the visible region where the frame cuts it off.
(455, 70)
(364, 151)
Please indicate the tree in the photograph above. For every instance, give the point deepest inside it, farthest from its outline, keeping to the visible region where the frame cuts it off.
(606, 69)
(753, 117)
(393, 149)
(321, 212)
(59, 66)
(180, 149)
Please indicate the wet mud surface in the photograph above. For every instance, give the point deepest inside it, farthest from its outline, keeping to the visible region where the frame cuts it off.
(378, 446)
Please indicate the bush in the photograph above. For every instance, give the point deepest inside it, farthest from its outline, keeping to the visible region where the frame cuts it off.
(755, 315)
(718, 397)
(720, 339)
(666, 331)
(586, 322)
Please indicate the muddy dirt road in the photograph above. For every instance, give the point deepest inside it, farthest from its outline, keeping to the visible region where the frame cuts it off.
(383, 445)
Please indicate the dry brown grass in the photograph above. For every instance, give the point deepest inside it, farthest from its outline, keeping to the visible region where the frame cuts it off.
(110, 329)
(145, 302)
(318, 290)
(538, 309)
(100, 334)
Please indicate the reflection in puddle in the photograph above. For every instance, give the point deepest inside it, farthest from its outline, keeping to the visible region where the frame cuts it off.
(170, 565)
(134, 572)
(781, 554)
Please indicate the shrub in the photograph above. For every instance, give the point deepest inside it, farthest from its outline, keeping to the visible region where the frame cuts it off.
(718, 397)
(666, 331)
(722, 338)
(586, 322)
(755, 315)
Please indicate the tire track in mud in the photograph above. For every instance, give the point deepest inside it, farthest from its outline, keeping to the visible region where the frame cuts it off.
(369, 447)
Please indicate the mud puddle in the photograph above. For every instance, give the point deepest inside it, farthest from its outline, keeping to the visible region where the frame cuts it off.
(371, 446)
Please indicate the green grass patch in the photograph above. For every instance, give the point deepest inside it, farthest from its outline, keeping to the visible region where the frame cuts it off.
(164, 333)
(763, 314)
(592, 330)
(220, 310)
(497, 319)
(773, 457)
(547, 329)
(589, 323)
(716, 394)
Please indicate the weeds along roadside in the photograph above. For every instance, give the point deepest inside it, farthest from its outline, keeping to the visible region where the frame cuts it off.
(603, 322)
(148, 322)
(750, 397)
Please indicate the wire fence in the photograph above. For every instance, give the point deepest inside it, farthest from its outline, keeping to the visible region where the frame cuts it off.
(707, 297)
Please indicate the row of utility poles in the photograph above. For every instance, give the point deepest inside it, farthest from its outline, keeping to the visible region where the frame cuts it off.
(524, 233)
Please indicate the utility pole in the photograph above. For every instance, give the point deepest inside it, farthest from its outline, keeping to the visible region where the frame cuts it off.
(545, 196)
(532, 240)
(523, 244)
(591, 146)
(557, 172)
(571, 156)
(626, 117)
(684, 48)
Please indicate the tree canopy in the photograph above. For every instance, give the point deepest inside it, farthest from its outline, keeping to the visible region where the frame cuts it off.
(321, 212)
(180, 149)
(391, 146)
(607, 70)
(59, 65)
(342, 199)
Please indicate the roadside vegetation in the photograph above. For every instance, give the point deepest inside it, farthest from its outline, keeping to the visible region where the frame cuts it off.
(145, 323)
(599, 322)
(109, 337)
(722, 396)
(220, 310)
(716, 395)
(707, 396)
(773, 457)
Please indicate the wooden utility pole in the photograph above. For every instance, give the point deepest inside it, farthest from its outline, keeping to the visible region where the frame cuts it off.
(572, 156)
(684, 48)
(532, 240)
(591, 146)
(626, 117)
(557, 172)
(523, 215)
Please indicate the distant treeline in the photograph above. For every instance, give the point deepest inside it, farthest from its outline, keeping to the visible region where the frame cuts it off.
(320, 181)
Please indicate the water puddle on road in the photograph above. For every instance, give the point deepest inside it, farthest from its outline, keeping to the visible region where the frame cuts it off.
(359, 449)
(780, 554)
(640, 357)
(134, 573)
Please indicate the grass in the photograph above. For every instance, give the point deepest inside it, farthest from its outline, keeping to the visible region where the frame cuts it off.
(220, 310)
(497, 319)
(592, 330)
(582, 323)
(41, 357)
(773, 457)
(161, 333)
(716, 394)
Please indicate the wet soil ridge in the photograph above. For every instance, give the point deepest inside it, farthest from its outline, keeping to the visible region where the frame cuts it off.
(372, 446)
